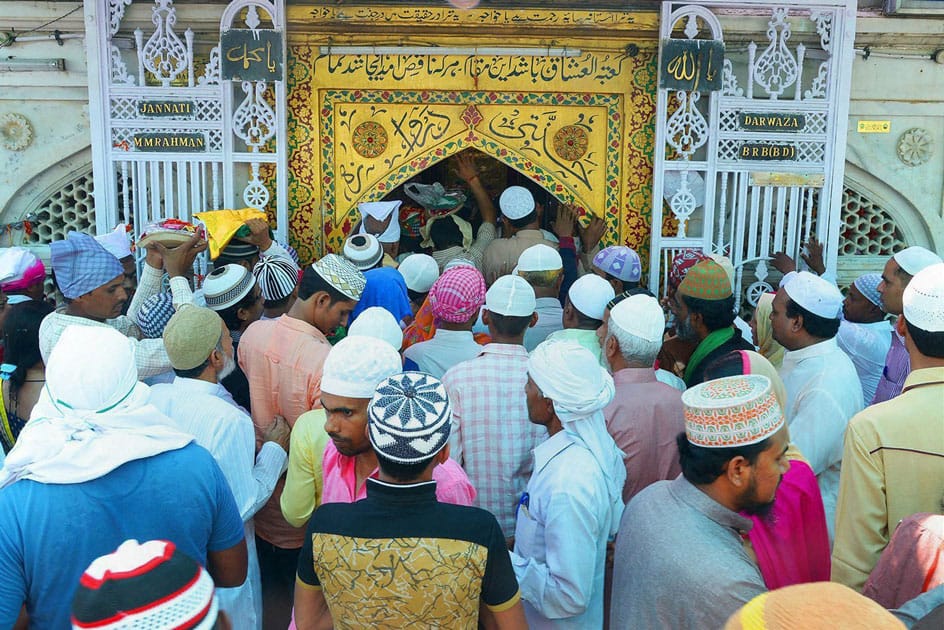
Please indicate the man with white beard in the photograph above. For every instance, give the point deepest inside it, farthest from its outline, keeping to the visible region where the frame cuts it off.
(201, 351)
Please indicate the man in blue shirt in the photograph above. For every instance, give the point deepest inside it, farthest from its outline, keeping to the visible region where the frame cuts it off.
(96, 466)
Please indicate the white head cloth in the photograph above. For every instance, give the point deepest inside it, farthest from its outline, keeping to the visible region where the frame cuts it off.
(923, 300)
(816, 295)
(89, 420)
(639, 315)
(379, 323)
(589, 294)
(419, 271)
(915, 258)
(379, 211)
(14, 261)
(572, 378)
(357, 364)
(725, 263)
(116, 242)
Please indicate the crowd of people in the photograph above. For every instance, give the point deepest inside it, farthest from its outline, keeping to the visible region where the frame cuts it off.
(464, 420)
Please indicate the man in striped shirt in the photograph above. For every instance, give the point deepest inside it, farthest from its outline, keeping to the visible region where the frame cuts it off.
(491, 435)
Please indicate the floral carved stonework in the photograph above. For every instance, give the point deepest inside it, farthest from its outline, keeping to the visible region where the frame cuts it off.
(915, 146)
(16, 133)
(369, 139)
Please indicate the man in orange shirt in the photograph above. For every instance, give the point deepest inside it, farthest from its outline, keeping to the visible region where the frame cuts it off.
(283, 360)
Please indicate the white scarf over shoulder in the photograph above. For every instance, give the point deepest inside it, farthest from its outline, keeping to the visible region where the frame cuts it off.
(92, 416)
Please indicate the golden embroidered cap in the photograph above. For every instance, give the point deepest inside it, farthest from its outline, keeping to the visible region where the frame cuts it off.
(731, 411)
(706, 280)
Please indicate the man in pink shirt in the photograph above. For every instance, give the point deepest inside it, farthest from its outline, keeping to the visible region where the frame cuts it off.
(283, 359)
(352, 371)
(645, 415)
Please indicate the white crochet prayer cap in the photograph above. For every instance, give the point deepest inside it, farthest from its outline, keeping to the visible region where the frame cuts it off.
(510, 295)
(516, 202)
(116, 242)
(923, 299)
(458, 262)
(816, 295)
(364, 250)
(589, 295)
(357, 364)
(227, 285)
(379, 323)
(419, 271)
(540, 257)
(915, 258)
(639, 315)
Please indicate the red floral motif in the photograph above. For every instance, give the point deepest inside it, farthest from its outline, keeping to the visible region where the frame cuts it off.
(369, 139)
(471, 116)
(571, 142)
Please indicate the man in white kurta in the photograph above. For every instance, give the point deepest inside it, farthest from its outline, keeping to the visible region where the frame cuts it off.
(823, 388)
(864, 333)
(574, 502)
(200, 406)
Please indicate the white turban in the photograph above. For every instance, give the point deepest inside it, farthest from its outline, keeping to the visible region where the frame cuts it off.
(572, 378)
(357, 364)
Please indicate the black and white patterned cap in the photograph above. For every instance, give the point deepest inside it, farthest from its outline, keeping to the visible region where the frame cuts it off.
(409, 417)
(277, 277)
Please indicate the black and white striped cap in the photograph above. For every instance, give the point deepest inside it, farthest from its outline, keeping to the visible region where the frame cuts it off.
(277, 277)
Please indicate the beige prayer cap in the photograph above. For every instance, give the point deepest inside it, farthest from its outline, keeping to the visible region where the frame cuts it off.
(813, 606)
(191, 335)
(731, 411)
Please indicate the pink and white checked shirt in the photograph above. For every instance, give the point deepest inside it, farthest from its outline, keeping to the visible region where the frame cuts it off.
(492, 437)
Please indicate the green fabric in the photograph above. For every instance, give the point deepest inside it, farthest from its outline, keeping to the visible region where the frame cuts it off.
(586, 338)
(709, 344)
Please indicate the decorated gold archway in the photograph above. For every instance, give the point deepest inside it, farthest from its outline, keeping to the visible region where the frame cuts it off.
(580, 124)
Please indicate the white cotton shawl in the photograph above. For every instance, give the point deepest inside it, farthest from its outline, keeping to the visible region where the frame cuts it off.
(572, 378)
(380, 210)
(92, 415)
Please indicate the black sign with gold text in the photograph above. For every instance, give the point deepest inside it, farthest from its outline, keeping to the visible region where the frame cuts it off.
(247, 55)
(170, 142)
(166, 109)
(767, 152)
(691, 64)
(776, 122)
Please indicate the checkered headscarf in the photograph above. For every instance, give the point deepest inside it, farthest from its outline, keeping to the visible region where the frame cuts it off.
(82, 265)
(409, 417)
(458, 294)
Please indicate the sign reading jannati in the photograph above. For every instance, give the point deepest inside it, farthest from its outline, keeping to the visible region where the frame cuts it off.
(248, 55)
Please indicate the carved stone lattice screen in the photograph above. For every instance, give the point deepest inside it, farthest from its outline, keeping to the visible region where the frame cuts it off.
(750, 135)
(186, 119)
(867, 228)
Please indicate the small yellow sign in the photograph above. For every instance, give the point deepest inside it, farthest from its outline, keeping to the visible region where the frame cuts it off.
(875, 126)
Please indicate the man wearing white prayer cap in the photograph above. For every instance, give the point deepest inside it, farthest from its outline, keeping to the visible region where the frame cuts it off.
(331, 457)
(893, 461)
(97, 457)
(379, 323)
(382, 219)
(823, 388)
(491, 437)
(645, 415)
(680, 560)
(420, 272)
(118, 244)
(583, 313)
(573, 502)
(283, 360)
(898, 272)
(521, 228)
(543, 268)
